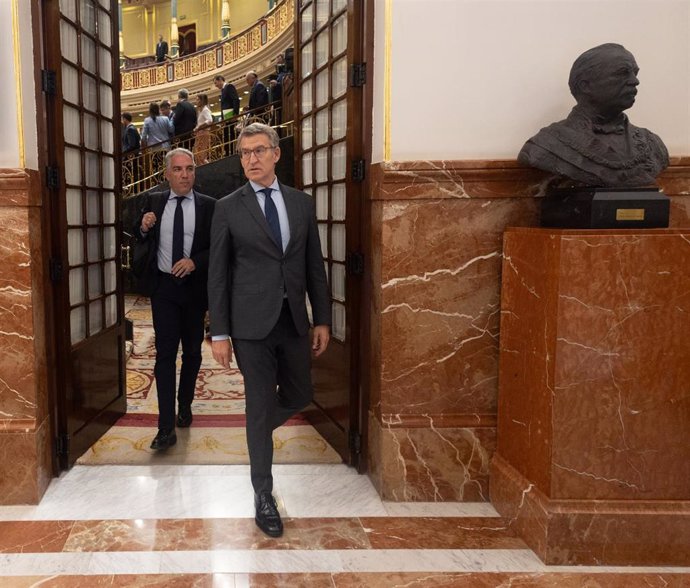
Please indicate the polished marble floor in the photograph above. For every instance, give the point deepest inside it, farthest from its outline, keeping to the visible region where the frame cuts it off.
(193, 526)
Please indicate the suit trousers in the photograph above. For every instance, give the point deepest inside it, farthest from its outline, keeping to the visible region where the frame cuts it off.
(277, 383)
(177, 316)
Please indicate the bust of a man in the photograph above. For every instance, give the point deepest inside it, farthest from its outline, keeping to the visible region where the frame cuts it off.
(597, 145)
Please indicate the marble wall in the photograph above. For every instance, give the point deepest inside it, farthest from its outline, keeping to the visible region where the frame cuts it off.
(436, 253)
(25, 438)
(593, 395)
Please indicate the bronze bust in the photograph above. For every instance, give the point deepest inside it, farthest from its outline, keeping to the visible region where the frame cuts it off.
(597, 145)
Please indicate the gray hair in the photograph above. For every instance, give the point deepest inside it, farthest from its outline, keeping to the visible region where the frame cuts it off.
(588, 65)
(183, 93)
(259, 129)
(179, 151)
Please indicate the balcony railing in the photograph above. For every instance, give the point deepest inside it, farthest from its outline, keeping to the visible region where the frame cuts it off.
(146, 169)
(214, 57)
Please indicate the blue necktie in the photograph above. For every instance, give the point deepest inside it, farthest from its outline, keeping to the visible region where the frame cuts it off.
(178, 232)
(271, 213)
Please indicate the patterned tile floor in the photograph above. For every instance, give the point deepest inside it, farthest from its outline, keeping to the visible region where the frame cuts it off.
(193, 526)
(163, 525)
(218, 434)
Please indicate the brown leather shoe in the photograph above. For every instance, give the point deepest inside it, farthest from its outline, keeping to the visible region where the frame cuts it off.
(267, 516)
(163, 440)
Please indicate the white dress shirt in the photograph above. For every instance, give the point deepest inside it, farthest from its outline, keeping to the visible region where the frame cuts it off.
(166, 230)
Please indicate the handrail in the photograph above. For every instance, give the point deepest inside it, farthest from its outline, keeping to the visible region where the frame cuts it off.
(215, 57)
(146, 169)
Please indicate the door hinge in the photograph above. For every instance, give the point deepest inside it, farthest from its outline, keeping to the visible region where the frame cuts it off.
(52, 177)
(355, 442)
(49, 82)
(62, 445)
(357, 170)
(354, 263)
(55, 268)
(358, 75)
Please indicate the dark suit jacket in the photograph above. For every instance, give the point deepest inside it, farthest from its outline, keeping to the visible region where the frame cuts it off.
(258, 96)
(161, 51)
(131, 140)
(248, 273)
(184, 118)
(229, 98)
(199, 254)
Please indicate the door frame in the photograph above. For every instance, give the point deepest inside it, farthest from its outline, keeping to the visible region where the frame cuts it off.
(61, 378)
(360, 14)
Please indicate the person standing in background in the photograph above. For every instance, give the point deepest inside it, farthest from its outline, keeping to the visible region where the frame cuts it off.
(184, 119)
(230, 107)
(258, 96)
(201, 131)
(161, 49)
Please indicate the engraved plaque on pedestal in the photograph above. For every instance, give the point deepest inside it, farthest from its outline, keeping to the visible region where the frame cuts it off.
(605, 208)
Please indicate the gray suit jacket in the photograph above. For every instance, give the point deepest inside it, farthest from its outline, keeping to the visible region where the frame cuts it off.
(248, 274)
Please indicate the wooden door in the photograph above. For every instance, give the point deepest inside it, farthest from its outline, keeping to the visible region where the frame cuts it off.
(330, 167)
(81, 81)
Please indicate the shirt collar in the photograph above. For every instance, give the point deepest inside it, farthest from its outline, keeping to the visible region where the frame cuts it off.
(188, 196)
(258, 187)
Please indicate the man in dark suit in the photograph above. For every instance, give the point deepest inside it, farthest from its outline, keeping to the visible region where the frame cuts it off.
(258, 95)
(229, 106)
(176, 279)
(184, 119)
(265, 256)
(229, 99)
(161, 49)
(131, 144)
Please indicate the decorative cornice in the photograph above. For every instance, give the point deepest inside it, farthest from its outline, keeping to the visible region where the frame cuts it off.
(20, 187)
(489, 179)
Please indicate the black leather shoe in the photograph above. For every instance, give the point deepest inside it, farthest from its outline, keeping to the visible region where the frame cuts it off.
(267, 516)
(184, 417)
(163, 440)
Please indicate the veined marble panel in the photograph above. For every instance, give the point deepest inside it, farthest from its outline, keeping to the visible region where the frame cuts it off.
(430, 464)
(25, 461)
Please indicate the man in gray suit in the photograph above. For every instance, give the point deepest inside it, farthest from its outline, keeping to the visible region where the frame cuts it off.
(265, 256)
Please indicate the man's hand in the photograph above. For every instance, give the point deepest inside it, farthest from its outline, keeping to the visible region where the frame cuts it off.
(183, 267)
(320, 339)
(147, 221)
(222, 352)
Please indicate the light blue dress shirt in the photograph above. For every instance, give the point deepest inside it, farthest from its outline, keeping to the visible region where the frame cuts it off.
(166, 230)
(277, 196)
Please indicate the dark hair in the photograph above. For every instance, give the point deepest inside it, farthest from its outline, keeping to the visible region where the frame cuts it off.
(165, 104)
(154, 110)
(221, 78)
(203, 98)
(127, 116)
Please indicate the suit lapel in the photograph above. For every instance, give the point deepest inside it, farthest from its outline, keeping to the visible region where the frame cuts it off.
(252, 204)
(199, 212)
(294, 218)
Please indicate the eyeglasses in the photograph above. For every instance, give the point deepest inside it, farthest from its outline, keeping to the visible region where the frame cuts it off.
(259, 151)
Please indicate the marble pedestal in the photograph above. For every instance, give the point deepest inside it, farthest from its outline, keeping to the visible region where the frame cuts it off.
(593, 453)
